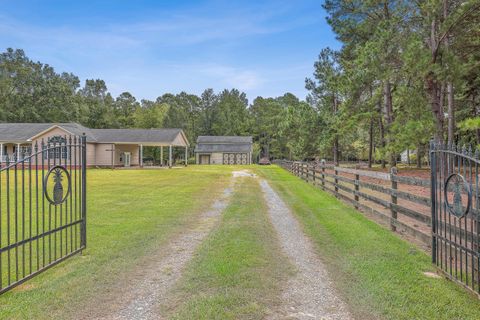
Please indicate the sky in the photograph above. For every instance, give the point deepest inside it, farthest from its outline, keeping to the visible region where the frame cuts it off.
(263, 48)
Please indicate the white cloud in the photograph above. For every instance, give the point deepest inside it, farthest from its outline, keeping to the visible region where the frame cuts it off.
(170, 52)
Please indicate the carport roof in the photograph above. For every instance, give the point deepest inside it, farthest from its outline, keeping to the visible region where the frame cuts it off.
(145, 136)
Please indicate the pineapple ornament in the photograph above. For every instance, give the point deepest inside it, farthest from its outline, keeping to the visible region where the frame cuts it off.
(58, 187)
(456, 208)
(61, 185)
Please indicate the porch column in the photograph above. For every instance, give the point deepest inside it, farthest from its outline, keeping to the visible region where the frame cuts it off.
(113, 156)
(186, 156)
(141, 156)
(1, 152)
(161, 156)
(170, 156)
(18, 151)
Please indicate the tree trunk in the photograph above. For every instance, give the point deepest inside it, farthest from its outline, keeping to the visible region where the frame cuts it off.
(451, 114)
(335, 151)
(370, 147)
(388, 114)
(419, 156)
(433, 92)
(408, 157)
(335, 139)
(382, 140)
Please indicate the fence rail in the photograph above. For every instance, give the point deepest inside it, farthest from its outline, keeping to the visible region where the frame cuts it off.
(402, 202)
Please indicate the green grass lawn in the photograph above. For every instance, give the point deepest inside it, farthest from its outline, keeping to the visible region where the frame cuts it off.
(238, 271)
(130, 213)
(379, 274)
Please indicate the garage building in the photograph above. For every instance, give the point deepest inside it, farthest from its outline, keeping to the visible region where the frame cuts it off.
(223, 150)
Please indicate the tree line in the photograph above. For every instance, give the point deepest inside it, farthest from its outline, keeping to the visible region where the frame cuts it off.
(407, 72)
(31, 91)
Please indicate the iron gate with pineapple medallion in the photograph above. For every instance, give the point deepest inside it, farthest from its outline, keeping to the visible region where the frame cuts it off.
(42, 207)
(455, 208)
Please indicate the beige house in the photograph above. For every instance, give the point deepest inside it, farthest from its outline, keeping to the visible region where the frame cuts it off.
(224, 150)
(105, 147)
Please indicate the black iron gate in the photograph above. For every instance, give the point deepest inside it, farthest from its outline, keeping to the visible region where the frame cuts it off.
(455, 207)
(42, 207)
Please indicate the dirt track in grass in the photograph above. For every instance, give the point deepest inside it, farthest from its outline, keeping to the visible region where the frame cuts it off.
(310, 293)
(148, 287)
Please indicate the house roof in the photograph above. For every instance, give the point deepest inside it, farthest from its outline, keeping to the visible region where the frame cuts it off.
(166, 136)
(23, 132)
(224, 139)
(209, 144)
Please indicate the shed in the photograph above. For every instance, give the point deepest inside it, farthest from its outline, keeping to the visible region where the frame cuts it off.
(224, 150)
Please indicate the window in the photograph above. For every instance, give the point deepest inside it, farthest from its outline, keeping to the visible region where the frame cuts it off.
(57, 148)
(25, 150)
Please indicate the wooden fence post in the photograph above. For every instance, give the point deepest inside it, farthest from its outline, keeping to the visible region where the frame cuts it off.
(393, 173)
(323, 174)
(357, 188)
(313, 174)
(336, 180)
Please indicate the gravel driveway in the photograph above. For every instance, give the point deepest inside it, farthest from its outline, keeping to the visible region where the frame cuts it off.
(148, 288)
(310, 293)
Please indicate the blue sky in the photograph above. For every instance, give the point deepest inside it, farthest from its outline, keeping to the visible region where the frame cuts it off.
(264, 48)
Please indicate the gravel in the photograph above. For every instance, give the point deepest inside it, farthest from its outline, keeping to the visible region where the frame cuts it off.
(309, 294)
(147, 289)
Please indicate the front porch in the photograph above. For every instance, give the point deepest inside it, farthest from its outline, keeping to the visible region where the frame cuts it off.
(14, 151)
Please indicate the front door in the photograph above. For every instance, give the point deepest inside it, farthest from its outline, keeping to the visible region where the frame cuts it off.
(205, 159)
(128, 158)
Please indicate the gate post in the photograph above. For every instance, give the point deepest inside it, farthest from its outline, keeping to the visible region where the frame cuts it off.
(433, 185)
(393, 173)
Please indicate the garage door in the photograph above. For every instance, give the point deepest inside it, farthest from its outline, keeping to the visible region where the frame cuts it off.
(235, 158)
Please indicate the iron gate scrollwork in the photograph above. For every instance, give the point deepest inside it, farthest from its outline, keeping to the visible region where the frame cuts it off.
(42, 208)
(455, 208)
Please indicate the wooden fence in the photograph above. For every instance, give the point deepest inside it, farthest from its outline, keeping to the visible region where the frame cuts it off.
(402, 202)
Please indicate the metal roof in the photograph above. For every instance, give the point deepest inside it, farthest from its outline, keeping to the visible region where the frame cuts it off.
(210, 144)
(211, 148)
(23, 132)
(224, 139)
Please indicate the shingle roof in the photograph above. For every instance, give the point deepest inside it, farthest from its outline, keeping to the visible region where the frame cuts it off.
(224, 139)
(21, 132)
(13, 132)
(136, 135)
